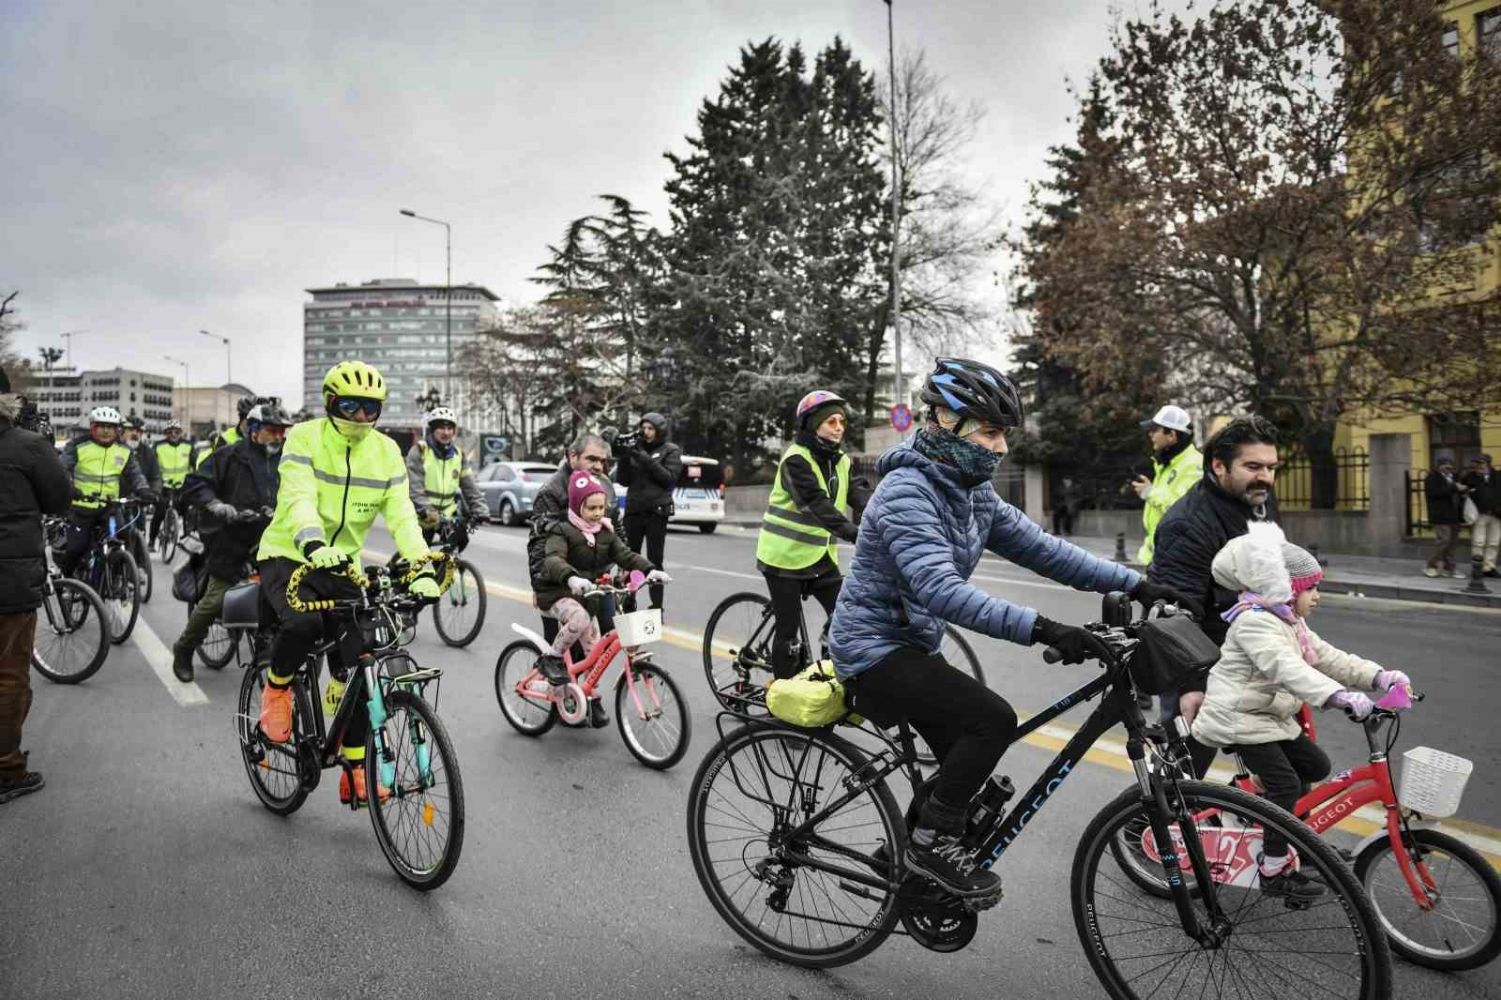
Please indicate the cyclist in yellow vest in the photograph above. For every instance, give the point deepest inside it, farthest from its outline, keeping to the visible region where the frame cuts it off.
(174, 456)
(337, 474)
(1177, 465)
(813, 505)
(437, 474)
(103, 469)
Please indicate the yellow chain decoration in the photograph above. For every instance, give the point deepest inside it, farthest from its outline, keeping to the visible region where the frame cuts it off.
(444, 582)
(296, 603)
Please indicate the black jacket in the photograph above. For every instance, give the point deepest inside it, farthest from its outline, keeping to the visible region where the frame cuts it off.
(246, 478)
(801, 483)
(1485, 490)
(32, 483)
(145, 456)
(1442, 493)
(651, 473)
(1190, 535)
(569, 554)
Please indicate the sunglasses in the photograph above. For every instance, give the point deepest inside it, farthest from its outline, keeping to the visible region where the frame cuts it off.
(347, 407)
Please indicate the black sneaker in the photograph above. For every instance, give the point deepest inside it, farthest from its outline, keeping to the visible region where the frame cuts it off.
(951, 865)
(1291, 885)
(598, 717)
(554, 669)
(27, 783)
(182, 664)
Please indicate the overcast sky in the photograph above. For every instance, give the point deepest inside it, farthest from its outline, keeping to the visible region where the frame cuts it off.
(174, 166)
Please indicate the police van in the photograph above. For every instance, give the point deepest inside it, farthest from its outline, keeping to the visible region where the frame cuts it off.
(698, 497)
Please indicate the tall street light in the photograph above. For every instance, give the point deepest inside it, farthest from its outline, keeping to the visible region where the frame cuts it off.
(187, 412)
(447, 298)
(896, 186)
(228, 378)
(69, 338)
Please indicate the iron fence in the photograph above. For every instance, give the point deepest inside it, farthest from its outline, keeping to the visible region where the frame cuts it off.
(1352, 481)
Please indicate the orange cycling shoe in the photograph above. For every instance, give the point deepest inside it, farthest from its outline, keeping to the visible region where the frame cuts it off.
(276, 714)
(359, 786)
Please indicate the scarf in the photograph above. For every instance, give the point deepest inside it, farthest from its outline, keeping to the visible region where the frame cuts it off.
(976, 465)
(444, 451)
(589, 530)
(1249, 600)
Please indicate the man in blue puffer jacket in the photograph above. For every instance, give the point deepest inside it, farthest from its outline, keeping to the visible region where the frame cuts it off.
(921, 537)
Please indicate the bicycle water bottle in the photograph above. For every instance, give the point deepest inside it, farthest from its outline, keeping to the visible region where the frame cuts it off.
(986, 806)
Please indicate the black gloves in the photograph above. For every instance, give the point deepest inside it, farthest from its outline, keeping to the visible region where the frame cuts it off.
(247, 516)
(1076, 644)
(146, 497)
(1150, 593)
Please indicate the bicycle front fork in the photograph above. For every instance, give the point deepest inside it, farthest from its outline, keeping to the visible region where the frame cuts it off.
(1154, 800)
(376, 706)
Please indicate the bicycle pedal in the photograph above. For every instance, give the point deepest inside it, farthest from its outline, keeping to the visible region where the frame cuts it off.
(979, 904)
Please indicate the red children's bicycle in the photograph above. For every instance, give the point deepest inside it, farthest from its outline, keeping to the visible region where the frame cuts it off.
(1437, 898)
(650, 711)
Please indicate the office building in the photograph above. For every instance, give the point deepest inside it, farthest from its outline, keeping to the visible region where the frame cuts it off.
(66, 396)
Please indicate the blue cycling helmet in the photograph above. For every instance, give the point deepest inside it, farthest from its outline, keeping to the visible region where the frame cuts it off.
(974, 390)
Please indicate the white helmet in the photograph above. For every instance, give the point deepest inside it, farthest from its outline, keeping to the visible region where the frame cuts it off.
(442, 413)
(105, 415)
(173, 425)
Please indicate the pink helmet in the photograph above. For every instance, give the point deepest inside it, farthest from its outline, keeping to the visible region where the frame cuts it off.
(818, 399)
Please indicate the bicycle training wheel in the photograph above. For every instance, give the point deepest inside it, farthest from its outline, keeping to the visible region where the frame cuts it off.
(818, 900)
(169, 535)
(459, 613)
(141, 552)
(218, 646)
(420, 823)
(527, 708)
(652, 716)
(274, 768)
(1459, 931)
(737, 652)
(1263, 944)
(121, 594)
(72, 633)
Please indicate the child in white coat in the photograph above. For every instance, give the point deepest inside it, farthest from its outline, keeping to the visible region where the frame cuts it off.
(1270, 665)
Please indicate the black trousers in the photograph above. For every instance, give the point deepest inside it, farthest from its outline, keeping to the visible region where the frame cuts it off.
(1286, 769)
(787, 595)
(967, 725)
(81, 525)
(1063, 522)
(649, 528)
(298, 633)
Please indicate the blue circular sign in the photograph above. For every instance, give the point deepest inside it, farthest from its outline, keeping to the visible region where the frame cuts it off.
(901, 417)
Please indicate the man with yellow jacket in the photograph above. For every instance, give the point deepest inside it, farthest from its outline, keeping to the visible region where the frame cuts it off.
(1177, 465)
(337, 473)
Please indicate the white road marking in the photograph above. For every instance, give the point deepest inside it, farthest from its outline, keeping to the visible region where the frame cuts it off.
(159, 657)
(727, 572)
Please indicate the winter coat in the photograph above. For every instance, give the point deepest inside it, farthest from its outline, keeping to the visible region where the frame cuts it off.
(1442, 494)
(246, 478)
(1485, 490)
(1262, 679)
(651, 473)
(551, 504)
(921, 537)
(33, 482)
(145, 456)
(569, 554)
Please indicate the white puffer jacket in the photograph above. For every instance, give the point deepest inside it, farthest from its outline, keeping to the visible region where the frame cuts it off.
(1261, 679)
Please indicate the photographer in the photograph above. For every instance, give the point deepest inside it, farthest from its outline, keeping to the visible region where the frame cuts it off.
(649, 467)
(32, 483)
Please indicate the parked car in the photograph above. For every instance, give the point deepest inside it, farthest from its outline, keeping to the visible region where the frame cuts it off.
(509, 488)
(699, 495)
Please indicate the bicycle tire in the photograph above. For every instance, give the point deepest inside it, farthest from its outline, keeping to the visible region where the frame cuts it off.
(141, 553)
(169, 534)
(754, 740)
(1368, 954)
(426, 729)
(515, 662)
(263, 759)
(666, 721)
(121, 594)
(734, 673)
(965, 658)
(470, 592)
(218, 646)
(1444, 957)
(93, 622)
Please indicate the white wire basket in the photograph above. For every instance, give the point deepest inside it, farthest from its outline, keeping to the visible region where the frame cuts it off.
(639, 627)
(1433, 781)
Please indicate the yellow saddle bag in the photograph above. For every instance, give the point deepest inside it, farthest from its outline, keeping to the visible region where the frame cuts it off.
(812, 698)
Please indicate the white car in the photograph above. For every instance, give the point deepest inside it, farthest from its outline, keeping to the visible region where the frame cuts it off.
(699, 496)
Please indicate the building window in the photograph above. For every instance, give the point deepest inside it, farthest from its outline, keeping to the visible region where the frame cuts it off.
(1450, 40)
(1488, 27)
(1454, 434)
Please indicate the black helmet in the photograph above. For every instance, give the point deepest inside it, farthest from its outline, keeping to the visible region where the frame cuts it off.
(268, 413)
(975, 390)
(245, 405)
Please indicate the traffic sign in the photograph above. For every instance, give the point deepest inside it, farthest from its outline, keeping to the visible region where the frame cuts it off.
(901, 417)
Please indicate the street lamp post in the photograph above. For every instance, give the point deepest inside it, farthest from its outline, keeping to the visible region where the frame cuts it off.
(187, 415)
(447, 299)
(69, 338)
(896, 186)
(228, 376)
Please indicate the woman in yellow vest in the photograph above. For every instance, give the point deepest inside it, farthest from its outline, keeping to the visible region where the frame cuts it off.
(813, 504)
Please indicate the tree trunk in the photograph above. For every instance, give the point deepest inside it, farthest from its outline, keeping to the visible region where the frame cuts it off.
(1323, 474)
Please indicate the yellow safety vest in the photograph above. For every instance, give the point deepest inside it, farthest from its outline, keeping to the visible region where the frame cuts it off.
(1172, 481)
(217, 441)
(98, 471)
(332, 489)
(789, 538)
(440, 478)
(175, 461)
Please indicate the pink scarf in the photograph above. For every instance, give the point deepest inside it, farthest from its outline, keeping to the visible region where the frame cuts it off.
(1249, 600)
(589, 530)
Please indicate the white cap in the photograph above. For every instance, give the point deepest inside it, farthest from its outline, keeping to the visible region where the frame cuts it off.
(1174, 418)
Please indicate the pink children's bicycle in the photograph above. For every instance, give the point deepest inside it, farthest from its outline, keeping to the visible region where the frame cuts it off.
(1437, 898)
(650, 711)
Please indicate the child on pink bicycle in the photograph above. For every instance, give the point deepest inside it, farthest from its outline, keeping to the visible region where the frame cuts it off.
(1270, 665)
(578, 549)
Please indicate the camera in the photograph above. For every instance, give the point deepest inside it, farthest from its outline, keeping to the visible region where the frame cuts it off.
(621, 444)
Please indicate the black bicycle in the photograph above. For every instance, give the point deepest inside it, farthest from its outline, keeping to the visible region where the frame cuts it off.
(72, 629)
(416, 797)
(797, 839)
(170, 533)
(111, 570)
(460, 613)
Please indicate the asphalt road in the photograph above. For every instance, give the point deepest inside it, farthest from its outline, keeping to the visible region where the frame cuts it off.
(147, 868)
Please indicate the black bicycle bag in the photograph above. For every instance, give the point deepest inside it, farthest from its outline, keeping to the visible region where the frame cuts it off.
(1170, 652)
(242, 605)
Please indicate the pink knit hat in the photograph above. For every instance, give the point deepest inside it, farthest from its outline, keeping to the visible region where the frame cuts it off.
(581, 486)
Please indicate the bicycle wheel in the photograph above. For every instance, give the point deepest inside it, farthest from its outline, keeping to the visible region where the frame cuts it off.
(420, 826)
(274, 768)
(72, 633)
(141, 552)
(1460, 930)
(959, 653)
(737, 652)
(1331, 946)
(218, 646)
(459, 613)
(753, 787)
(652, 716)
(531, 713)
(169, 534)
(121, 593)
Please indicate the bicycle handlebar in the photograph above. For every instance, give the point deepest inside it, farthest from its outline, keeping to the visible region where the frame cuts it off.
(365, 582)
